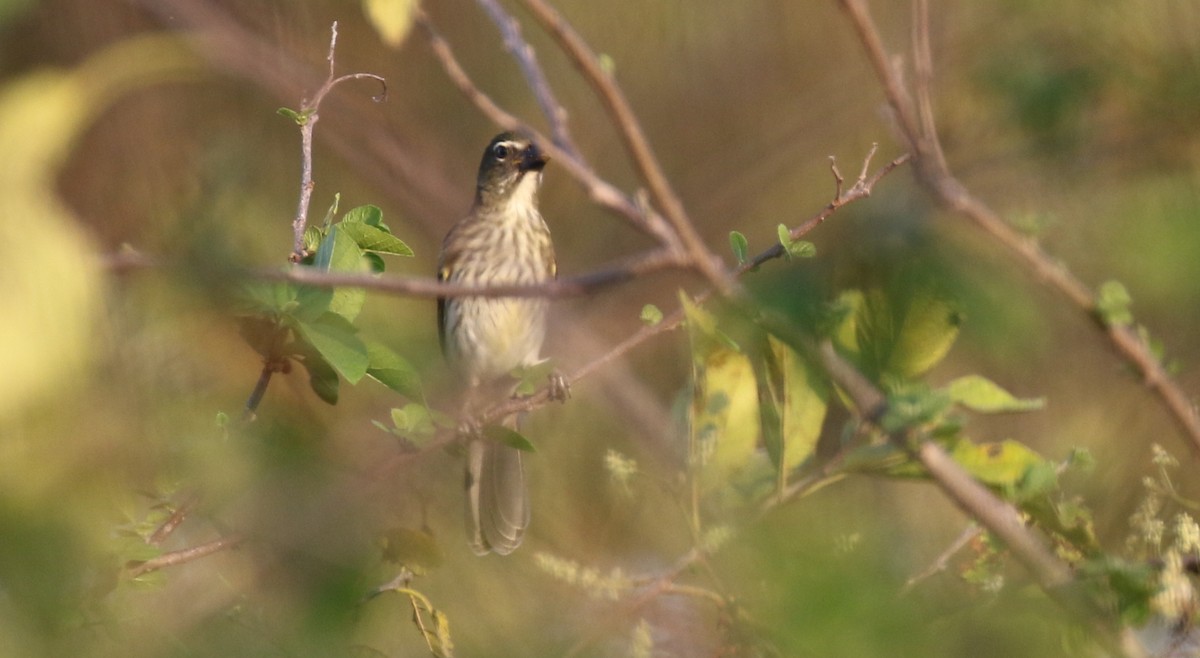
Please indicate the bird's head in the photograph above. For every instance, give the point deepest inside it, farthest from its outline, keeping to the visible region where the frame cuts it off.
(510, 171)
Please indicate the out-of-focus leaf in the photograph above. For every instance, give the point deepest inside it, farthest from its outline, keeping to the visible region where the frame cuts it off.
(805, 402)
(703, 331)
(726, 422)
(771, 387)
(846, 311)
(1113, 303)
(981, 394)
(51, 287)
(392, 19)
(414, 421)
(264, 335)
(508, 437)
(1001, 464)
(321, 377)
(393, 371)
(415, 549)
(925, 335)
(651, 315)
(336, 340)
(914, 406)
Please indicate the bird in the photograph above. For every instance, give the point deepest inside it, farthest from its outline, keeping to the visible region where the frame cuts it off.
(503, 239)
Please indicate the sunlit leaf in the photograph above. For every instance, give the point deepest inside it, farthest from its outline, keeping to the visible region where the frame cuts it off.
(925, 334)
(980, 394)
(1001, 464)
(702, 328)
(726, 420)
(392, 19)
(805, 402)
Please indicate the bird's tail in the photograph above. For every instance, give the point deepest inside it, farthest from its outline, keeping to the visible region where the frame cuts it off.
(497, 496)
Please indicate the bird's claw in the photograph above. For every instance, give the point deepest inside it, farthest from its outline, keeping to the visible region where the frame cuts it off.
(560, 388)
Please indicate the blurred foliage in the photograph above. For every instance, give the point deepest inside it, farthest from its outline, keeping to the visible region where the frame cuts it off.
(149, 128)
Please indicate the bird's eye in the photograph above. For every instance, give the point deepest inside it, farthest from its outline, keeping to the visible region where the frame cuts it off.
(500, 151)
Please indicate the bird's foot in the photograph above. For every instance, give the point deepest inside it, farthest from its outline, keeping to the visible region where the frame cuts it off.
(560, 388)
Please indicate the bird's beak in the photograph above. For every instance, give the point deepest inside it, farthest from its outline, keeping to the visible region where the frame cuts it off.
(533, 159)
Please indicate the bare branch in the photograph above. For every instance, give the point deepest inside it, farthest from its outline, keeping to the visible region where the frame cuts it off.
(183, 556)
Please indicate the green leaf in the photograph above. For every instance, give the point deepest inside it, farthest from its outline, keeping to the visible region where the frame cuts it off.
(373, 238)
(1002, 464)
(980, 394)
(414, 422)
(740, 246)
(339, 252)
(393, 371)
(331, 213)
(392, 19)
(651, 315)
(311, 303)
(913, 407)
(927, 331)
(368, 214)
(312, 238)
(300, 118)
(770, 386)
(1112, 304)
(508, 437)
(411, 548)
(335, 339)
(321, 377)
(794, 248)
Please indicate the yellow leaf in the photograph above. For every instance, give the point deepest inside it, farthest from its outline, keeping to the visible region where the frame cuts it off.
(392, 19)
(998, 464)
(804, 406)
(926, 334)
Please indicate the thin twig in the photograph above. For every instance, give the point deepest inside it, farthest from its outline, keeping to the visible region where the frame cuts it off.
(183, 556)
(309, 115)
(172, 522)
(942, 561)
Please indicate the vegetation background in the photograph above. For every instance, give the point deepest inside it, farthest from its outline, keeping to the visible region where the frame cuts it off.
(152, 126)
